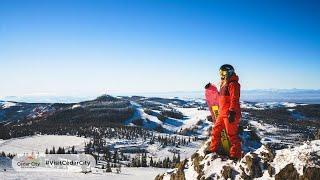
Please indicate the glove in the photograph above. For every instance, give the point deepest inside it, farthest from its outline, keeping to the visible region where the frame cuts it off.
(232, 116)
(207, 86)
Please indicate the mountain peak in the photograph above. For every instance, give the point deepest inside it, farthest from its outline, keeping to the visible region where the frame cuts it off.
(301, 162)
(106, 97)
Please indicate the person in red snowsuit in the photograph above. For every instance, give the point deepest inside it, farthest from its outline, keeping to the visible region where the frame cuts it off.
(229, 112)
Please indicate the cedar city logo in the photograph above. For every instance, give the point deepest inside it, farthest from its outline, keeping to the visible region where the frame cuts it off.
(54, 162)
(30, 161)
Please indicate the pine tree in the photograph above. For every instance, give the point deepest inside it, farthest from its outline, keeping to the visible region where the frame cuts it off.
(108, 169)
(115, 156)
(144, 160)
(133, 163)
(138, 162)
(107, 155)
(118, 170)
(59, 151)
(72, 150)
(151, 162)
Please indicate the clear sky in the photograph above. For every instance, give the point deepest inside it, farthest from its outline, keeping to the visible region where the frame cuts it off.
(90, 47)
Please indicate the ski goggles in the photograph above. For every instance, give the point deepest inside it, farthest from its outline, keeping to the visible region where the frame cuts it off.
(223, 74)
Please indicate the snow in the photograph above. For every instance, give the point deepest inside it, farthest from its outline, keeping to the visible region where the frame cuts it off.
(158, 152)
(76, 106)
(299, 156)
(267, 105)
(39, 143)
(211, 166)
(215, 166)
(5, 163)
(2, 141)
(140, 114)
(8, 104)
(277, 134)
(190, 173)
(194, 116)
(260, 150)
(289, 105)
(264, 128)
(126, 173)
(172, 125)
(246, 105)
(195, 119)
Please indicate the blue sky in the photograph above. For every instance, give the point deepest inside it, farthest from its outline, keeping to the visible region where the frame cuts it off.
(90, 47)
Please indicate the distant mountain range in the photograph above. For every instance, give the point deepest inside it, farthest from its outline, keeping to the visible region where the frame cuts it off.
(283, 95)
(258, 95)
(47, 99)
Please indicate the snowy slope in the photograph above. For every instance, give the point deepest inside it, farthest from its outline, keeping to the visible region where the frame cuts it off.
(39, 143)
(194, 119)
(127, 173)
(151, 122)
(197, 119)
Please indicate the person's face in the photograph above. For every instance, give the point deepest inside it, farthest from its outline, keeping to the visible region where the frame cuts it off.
(223, 75)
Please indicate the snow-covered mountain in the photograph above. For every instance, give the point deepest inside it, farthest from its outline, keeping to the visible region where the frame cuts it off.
(168, 115)
(163, 128)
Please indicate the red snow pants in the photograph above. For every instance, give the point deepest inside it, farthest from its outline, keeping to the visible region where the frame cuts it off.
(232, 133)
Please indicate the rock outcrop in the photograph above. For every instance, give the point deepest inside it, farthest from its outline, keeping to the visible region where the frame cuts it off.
(298, 163)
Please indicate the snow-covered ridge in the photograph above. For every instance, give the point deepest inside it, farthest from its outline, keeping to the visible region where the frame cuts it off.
(264, 163)
(7, 104)
(267, 105)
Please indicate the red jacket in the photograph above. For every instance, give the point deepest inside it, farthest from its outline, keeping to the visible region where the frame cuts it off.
(229, 97)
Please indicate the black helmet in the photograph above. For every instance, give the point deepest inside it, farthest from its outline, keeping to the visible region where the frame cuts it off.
(228, 68)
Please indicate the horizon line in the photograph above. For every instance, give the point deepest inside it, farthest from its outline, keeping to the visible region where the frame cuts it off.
(41, 94)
